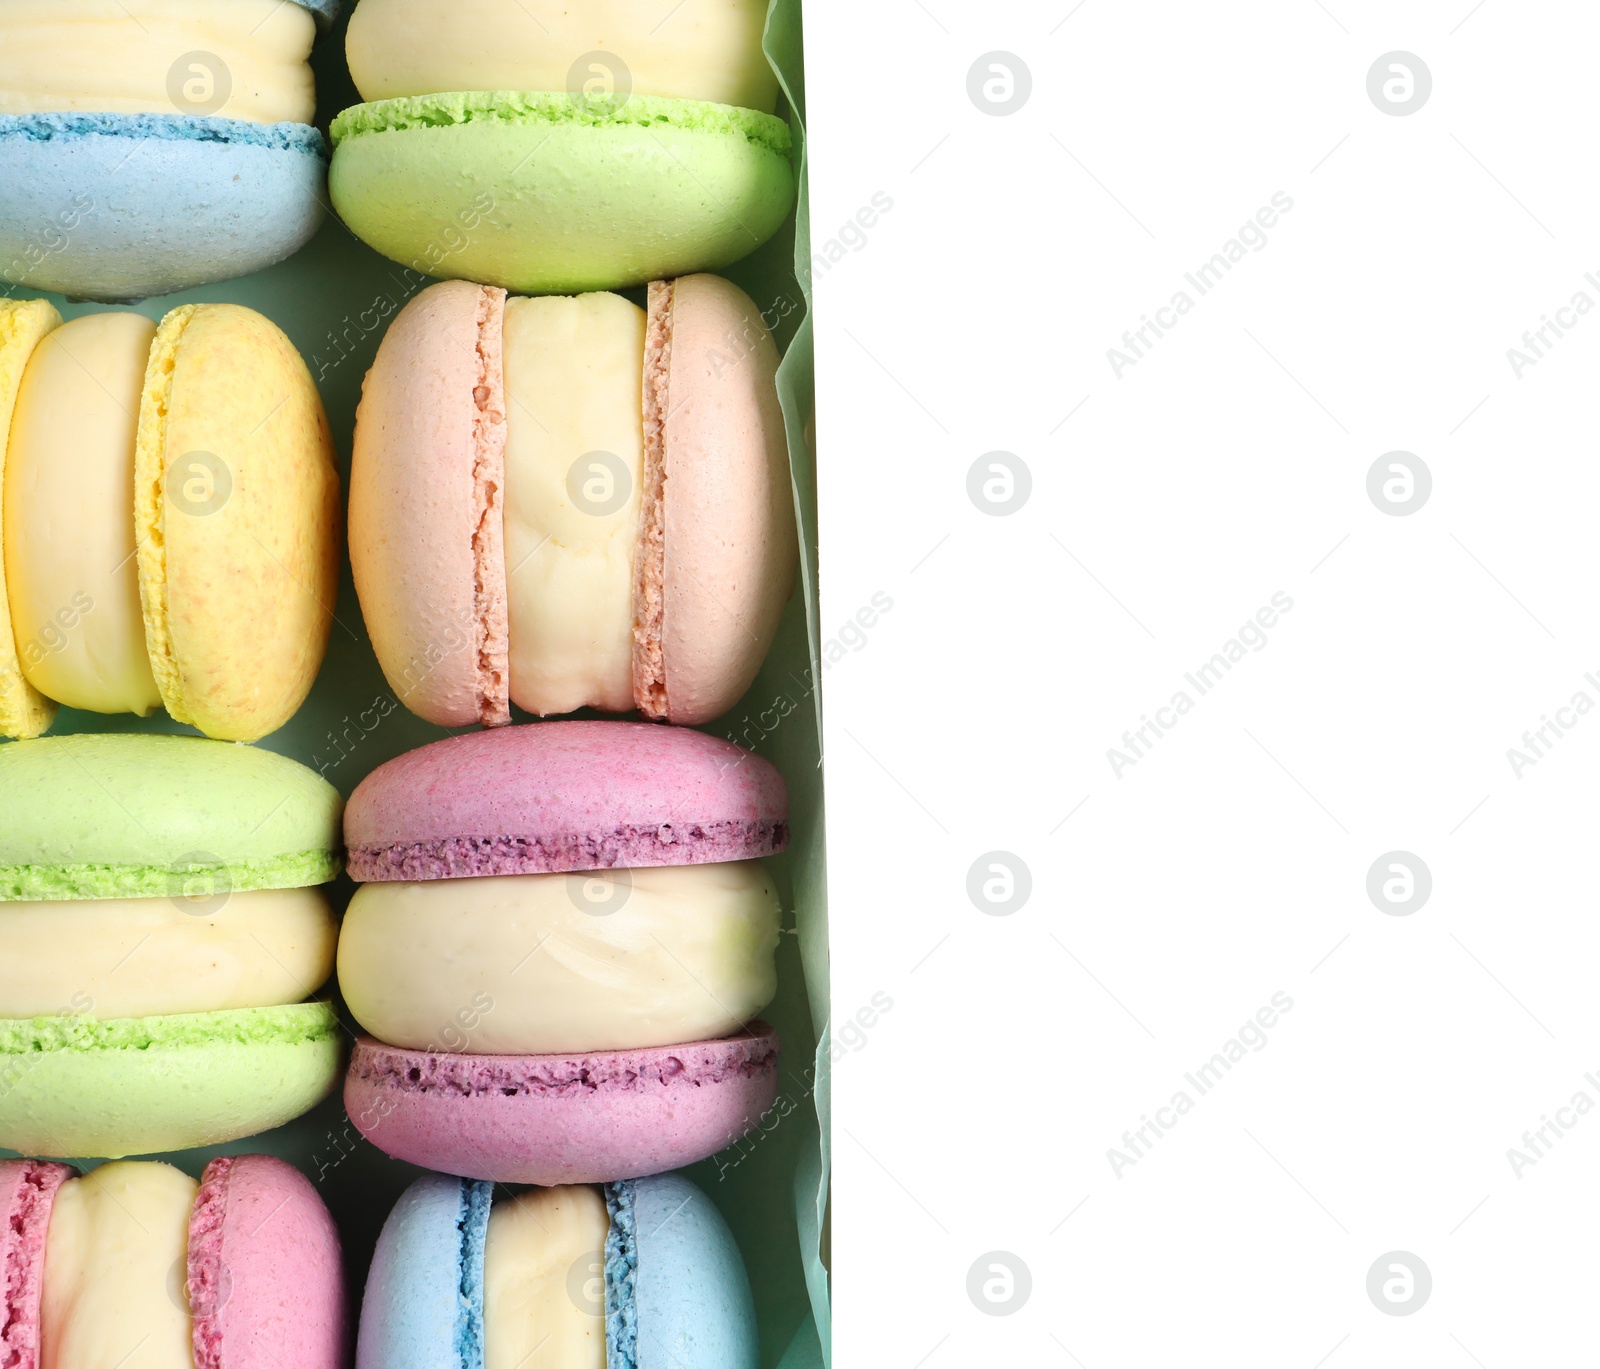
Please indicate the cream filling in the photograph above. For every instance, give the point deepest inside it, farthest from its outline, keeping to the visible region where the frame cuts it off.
(544, 1281)
(115, 1262)
(545, 964)
(574, 467)
(71, 573)
(232, 59)
(703, 50)
(197, 951)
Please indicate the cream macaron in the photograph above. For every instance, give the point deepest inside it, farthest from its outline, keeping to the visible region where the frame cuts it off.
(570, 502)
(169, 518)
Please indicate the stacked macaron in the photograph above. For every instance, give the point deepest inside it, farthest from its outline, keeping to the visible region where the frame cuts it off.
(641, 1274)
(163, 931)
(569, 502)
(136, 1263)
(584, 148)
(564, 939)
(170, 512)
(150, 145)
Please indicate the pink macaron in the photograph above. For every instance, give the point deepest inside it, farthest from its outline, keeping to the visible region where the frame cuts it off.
(559, 956)
(570, 502)
(258, 1282)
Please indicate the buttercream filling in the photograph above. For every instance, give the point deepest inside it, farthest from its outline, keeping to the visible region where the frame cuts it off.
(538, 964)
(705, 51)
(201, 949)
(231, 59)
(573, 471)
(544, 1280)
(71, 572)
(115, 1269)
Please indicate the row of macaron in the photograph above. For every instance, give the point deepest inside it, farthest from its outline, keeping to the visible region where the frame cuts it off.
(147, 146)
(561, 941)
(554, 503)
(138, 1263)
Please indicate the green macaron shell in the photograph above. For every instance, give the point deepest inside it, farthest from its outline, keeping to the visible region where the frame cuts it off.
(122, 816)
(75, 1087)
(543, 192)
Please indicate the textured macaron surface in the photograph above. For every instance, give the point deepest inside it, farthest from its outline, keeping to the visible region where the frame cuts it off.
(548, 797)
(562, 1119)
(265, 1283)
(423, 1307)
(27, 1192)
(75, 1086)
(122, 816)
(618, 194)
(123, 206)
(692, 1300)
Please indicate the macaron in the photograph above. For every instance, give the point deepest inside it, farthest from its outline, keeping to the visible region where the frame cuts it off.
(559, 954)
(169, 518)
(163, 933)
(572, 501)
(241, 1270)
(588, 148)
(640, 1274)
(147, 146)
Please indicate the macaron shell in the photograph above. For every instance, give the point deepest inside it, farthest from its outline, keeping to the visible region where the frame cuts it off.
(546, 1119)
(109, 815)
(544, 194)
(265, 1274)
(729, 545)
(27, 1193)
(24, 712)
(691, 1293)
(558, 796)
(237, 505)
(423, 1307)
(71, 1086)
(119, 207)
(427, 478)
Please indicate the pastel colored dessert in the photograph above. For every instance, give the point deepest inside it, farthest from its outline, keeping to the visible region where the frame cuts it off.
(163, 931)
(147, 146)
(135, 1262)
(565, 936)
(642, 1274)
(169, 518)
(571, 501)
(587, 148)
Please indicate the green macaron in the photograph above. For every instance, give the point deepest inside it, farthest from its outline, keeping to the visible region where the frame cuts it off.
(164, 942)
(544, 192)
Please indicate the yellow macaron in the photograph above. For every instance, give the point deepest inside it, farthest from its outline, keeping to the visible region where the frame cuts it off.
(169, 518)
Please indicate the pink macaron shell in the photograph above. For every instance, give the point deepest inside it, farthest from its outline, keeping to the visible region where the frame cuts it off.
(426, 486)
(553, 1119)
(729, 547)
(548, 797)
(265, 1273)
(27, 1193)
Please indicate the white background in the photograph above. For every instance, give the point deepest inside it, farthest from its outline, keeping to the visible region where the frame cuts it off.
(1171, 903)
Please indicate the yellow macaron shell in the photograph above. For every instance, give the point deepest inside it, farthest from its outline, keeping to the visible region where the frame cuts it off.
(24, 712)
(70, 573)
(234, 59)
(236, 507)
(710, 50)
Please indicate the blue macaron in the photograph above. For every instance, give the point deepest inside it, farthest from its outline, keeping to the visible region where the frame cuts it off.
(676, 1292)
(120, 207)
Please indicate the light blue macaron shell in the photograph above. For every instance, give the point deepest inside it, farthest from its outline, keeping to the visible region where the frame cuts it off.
(423, 1307)
(118, 207)
(326, 11)
(691, 1295)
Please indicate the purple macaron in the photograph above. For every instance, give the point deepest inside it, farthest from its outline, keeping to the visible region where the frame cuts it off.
(561, 949)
